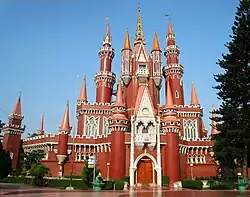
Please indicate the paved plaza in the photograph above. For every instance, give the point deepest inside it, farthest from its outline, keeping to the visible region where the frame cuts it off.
(23, 191)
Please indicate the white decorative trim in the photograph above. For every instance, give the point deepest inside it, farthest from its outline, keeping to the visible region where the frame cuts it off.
(143, 52)
(105, 128)
(190, 129)
(94, 126)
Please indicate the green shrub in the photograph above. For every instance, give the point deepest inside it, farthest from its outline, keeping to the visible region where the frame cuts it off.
(192, 184)
(126, 179)
(165, 180)
(62, 184)
(39, 172)
(118, 184)
(222, 185)
(16, 172)
(22, 180)
(73, 176)
(108, 185)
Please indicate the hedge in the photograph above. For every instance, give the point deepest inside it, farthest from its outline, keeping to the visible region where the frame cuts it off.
(222, 185)
(118, 184)
(108, 185)
(127, 179)
(192, 184)
(165, 180)
(62, 184)
(55, 183)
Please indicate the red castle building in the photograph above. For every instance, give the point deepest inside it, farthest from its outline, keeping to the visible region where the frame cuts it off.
(133, 136)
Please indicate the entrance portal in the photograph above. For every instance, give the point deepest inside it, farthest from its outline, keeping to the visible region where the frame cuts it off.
(145, 171)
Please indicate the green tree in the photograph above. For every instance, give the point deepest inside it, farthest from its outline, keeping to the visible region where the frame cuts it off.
(38, 171)
(5, 163)
(28, 159)
(233, 115)
(87, 174)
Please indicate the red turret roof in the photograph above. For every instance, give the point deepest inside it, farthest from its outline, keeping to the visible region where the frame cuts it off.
(169, 97)
(194, 97)
(83, 94)
(170, 27)
(18, 109)
(65, 126)
(119, 97)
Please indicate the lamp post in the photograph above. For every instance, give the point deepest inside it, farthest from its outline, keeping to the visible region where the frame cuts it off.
(73, 142)
(108, 164)
(191, 170)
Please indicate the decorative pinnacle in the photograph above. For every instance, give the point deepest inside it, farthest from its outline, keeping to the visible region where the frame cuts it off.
(65, 126)
(139, 37)
(107, 38)
(194, 97)
(18, 109)
(83, 94)
(156, 46)
(41, 123)
(169, 99)
(119, 97)
(127, 41)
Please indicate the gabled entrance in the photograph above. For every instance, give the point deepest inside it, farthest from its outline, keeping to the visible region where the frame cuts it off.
(145, 171)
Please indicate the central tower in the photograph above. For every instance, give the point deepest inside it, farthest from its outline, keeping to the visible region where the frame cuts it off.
(140, 67)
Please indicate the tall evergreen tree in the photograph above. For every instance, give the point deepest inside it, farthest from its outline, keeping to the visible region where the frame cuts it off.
(5, 163)
(233, 115)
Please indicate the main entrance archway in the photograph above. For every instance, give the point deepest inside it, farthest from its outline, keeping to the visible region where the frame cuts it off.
(145, 171)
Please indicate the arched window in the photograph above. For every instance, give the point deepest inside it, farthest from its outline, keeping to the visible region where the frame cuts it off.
(190, 159)
(77, 156)
(199, 159)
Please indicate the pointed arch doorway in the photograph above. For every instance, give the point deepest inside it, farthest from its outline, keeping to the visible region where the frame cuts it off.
(145, 171)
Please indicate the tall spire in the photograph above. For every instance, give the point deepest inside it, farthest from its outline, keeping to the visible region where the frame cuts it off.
(127, 41)
(139, 37)
(18, 109)
(107, 38)
(119, 98)
(41, 123)
(65, 126)
(83, 93)
(170, 27)
(156, 46)
(41, 129)
(169, 99)
(194, 97)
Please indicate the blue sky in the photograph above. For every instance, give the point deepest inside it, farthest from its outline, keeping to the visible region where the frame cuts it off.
(44, 45)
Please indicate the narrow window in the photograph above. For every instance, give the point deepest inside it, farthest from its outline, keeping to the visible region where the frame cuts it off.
(176, 94)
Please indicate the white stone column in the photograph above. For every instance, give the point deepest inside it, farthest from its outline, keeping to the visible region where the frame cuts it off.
(158, 150)
(132, 152)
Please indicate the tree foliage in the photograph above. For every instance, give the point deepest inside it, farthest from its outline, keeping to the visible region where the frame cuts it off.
(87, 174)
(38, 171)
(29, 159)
(5, 163)
(233, 115)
